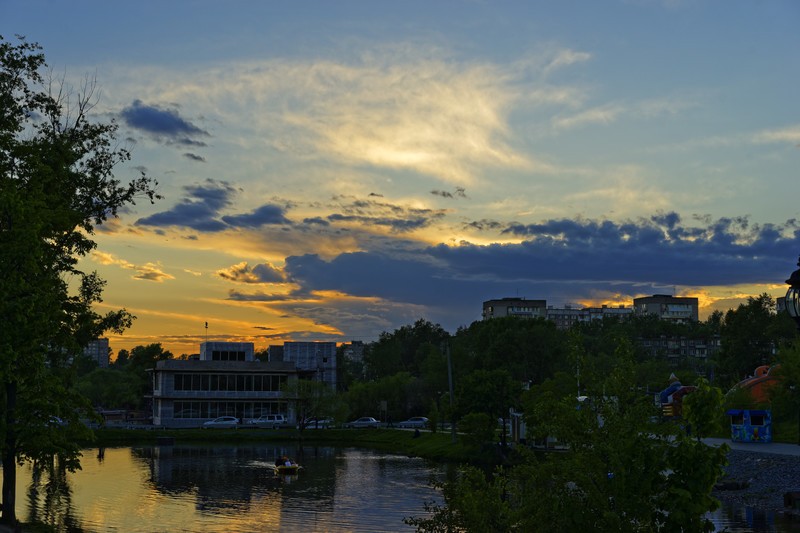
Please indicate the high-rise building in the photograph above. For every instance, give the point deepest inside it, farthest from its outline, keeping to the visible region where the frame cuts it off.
(98, 350)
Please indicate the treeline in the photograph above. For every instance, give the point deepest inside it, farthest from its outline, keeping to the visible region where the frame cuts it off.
(492, 361)
(489, 363)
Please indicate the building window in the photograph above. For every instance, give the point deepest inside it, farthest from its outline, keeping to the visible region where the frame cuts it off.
(229, 382)
(225, 355)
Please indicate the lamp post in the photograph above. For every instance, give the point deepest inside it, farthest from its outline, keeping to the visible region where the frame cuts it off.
(793, 296)
(792, 302)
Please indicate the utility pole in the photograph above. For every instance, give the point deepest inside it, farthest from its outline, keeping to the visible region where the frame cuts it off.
(450, 383)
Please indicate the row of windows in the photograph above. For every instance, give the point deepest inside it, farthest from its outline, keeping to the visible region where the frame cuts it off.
(229, 382)
(241, 409)
(222, 355)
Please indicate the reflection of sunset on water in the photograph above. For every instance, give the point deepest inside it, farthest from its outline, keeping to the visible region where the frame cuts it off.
(230, 489)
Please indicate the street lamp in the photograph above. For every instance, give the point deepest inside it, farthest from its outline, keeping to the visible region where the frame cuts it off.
(793, 296)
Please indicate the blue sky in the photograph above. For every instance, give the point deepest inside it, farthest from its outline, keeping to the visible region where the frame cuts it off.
(332, 170)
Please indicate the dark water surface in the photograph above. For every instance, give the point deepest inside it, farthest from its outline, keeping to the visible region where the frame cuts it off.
(228, 489)
(233, 489)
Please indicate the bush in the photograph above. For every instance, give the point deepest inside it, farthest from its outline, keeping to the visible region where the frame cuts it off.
(477, 429)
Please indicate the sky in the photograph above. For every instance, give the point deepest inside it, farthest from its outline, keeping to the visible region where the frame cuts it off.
(332, 170)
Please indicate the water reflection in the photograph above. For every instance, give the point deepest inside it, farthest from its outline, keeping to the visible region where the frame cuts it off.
(737, 519)
(228, 488)
(233, 489)
(50, 497)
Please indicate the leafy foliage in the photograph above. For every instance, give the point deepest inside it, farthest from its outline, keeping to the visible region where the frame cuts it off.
(56, 185)
(750, 334)
(622, 469)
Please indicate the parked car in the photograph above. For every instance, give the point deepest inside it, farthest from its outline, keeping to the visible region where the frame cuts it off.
(222, 422)
(268, 421)
(317, 423)
(419, 422)
(363, 422)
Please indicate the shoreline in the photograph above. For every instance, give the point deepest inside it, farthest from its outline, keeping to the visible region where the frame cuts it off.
(765, 478)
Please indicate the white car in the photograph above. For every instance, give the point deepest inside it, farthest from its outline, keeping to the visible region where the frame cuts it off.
(222, 422)
(317, 423)
(269, 421)
(419, 422)
(363, 422)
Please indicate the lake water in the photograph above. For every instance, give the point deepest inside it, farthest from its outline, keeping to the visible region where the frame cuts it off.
(233, 489)
(228, 489)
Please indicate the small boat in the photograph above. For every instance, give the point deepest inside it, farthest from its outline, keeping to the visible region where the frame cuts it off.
(288, 470)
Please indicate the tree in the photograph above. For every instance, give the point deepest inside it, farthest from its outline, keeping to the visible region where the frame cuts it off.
(404, 350)
(622, 470)
(749, 335)
(56, 185)
(786, 396)
(491, 392)
(311, 399)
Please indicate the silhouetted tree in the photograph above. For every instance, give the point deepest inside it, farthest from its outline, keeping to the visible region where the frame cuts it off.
(56, 185)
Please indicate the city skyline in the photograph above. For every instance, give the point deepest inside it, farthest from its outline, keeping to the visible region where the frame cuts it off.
(333, 170)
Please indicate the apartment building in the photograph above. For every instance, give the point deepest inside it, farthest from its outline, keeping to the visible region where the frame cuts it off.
(514, 307)
(98, 350)
(672, 308)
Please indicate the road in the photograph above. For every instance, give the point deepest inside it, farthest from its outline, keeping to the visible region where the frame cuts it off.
(778, 448)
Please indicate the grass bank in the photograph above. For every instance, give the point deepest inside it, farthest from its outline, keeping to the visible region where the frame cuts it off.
(434, 446)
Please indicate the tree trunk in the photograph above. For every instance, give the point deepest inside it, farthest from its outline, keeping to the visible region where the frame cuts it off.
(10, 457)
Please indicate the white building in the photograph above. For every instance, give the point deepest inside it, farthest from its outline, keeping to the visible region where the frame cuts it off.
(226, 380)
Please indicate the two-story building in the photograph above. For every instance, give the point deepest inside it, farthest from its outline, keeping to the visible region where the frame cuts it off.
(226, 380)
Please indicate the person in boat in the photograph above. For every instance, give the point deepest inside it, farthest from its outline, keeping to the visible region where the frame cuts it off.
(288, 462)
(280, 461)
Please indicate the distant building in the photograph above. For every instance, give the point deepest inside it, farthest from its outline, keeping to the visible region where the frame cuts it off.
(313, 360)
(563, 317)
(675, 347)
(275, 352)
(567, 317)
(226, 380)
(98, 350)
(514, 307)
(666, 307)
(354, 351)
(227, 351)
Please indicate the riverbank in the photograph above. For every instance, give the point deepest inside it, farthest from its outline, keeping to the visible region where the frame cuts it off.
(428, 445)
(764, 478)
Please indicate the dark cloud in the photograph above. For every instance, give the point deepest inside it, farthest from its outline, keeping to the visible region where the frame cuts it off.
(199, 211)
(485, 225)
(238, 296)
(164, 124)
(318, 221)
(397, 218)
(266, 214)
(562, 261)
(460, 192)
(397, 225)
(261, 273)
(194, 157)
